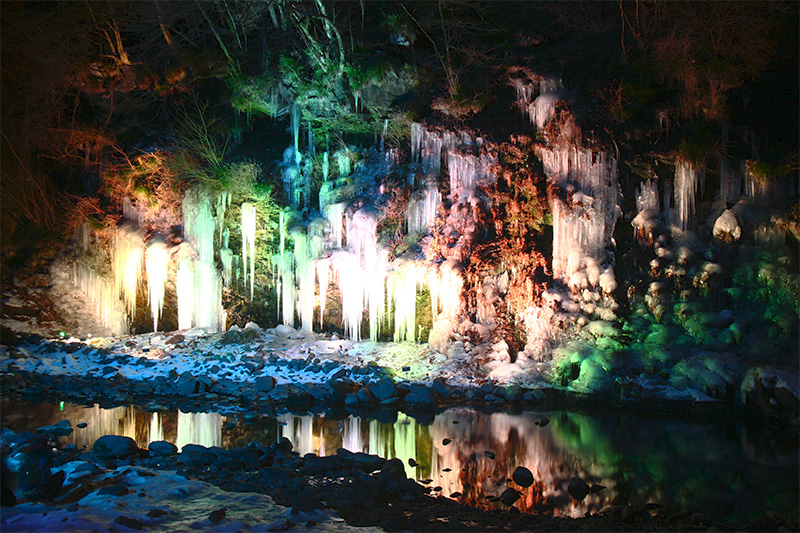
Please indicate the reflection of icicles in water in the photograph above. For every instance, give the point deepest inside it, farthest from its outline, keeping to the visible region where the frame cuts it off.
(156, 265)
(204, 429)
(351, 434)
(300, 432)
(687, 179)
(127, 261)
(249, 243)
(405, 442)
(156, 431)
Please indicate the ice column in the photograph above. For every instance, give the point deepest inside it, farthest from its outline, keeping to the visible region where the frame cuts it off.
(401, 285)
(585, 206)
(103, 295)
(687, 179)
(156, 265)
(286, 287)
(249, 242)
(199, 227)
(127, 254)
(422, 208)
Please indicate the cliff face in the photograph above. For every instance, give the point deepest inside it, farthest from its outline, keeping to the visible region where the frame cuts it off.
(494, 189)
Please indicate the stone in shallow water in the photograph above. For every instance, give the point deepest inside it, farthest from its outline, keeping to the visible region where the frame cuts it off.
(114, 447)
(162, 447)
(420, 397)
(383, 389)
(59, 429)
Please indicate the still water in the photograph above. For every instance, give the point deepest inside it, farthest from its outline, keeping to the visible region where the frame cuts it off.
(726, 470)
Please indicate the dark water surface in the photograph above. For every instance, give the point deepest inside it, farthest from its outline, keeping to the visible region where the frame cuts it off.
(727, 470)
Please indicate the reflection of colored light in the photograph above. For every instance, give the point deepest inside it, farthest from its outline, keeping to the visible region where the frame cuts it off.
(61, 406)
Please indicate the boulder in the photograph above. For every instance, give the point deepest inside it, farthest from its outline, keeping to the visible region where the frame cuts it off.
(265, 383)
(162, 447)
(59, 429)
(420, 397)
(383, 389)
(114, 447)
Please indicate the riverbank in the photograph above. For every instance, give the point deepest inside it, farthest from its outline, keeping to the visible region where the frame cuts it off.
(260, 369)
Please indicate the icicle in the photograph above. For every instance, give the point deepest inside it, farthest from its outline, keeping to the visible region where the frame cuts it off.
(647, 197)
(296, 132)
(585, 206)
(383, 134)
(687, 179)
(156, 265)
(445, 284)
(402, 286)
(323, 277)
(103, 295)
(128, 211)
(304, 272)
(249, 242)
(312, 148)
(335, 214)
(199, 227)
(343, 161)
(84, 237)
(647, 209)
(222, 203)
(422, 208)
(226, 258)
(127, 257)
(184, 287)
(325, 167)
(286, 272)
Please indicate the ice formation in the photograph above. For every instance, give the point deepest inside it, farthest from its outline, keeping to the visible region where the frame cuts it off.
(103, 295)
(346, 251)
(249, 243)
(127, 254)
(157, 267)
(200, 297)
(422, 208)
(647, 212)
(585, 206)
(537, 97)
(688, 178)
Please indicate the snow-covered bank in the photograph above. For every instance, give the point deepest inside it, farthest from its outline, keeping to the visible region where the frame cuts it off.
(283, 366)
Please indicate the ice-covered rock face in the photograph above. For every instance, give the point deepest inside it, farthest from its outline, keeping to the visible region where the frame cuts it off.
(584, 212)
